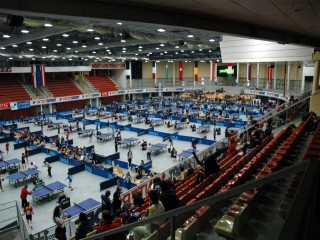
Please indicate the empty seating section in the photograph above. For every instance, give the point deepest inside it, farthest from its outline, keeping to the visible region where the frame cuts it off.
(313, 149)
(12, 90)
(102, 84)
(61, 85)
(231, 224)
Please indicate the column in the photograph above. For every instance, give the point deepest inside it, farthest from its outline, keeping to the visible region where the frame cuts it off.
(50, 108)
(288, 78)
(173, 74)
(315, 99)
(238, 70)
(41, 109)
(303, 81)
(275, 76)
(258, 73)
(130, 81)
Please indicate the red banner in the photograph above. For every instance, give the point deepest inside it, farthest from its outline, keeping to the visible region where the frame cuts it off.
(180, 70)
(4, 105)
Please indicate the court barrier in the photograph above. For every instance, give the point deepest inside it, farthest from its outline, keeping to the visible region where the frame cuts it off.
(8, 216)
(108, 183)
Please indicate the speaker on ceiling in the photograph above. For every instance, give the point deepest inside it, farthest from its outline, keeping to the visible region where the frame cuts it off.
(15, 21)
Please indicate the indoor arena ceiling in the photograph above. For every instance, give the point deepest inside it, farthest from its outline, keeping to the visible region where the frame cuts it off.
(75, 31)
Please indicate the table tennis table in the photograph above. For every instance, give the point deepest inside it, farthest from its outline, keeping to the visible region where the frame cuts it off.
(67, 128)
(42, 122)
(48, 191)
(180, 125)
(157, 122)
(158, 147)
(55, 125)
(92, 112)
(78, 208)
(128, 141)
(9, 163)
(85, 133)
(138, 120)
(203, 129)
(21, 176)
(105, 136)
(186, 154)
(122, 117)
(105, 115)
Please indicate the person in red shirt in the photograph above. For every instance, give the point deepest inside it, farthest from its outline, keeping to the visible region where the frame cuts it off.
(107, 224)
(23, 196)
(29, 212)
(232, 147)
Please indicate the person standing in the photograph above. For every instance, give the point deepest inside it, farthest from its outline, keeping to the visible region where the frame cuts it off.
(170, 143)
(116, 204)
(26, 154)
(1, 179)
(214, 133)
(69, 178)
(149, 152)
(23, 196)
(106, 202)
(7, 147)
(48, 165)
(28, 210)
(60, 232)
(23, 161)
(127, 180)
(116, 145)
(84, 226)
(58, 128)
(130, 156)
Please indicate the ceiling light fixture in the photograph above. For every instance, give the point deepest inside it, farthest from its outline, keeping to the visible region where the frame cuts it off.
(211, 40)
(68, 48)
(10, 58)
(43, 47)
(140, 47)
(30, 49)
(97, 38)
(84, 46)
(24, 31)
(190, 36)
(75, 42)
(45, 39)
(161, 30)
(29, 43)
(123, 40)
(119, 23)
(48, 25)
(14, 45)
(55, 50)
(65, 35)
(90, 29)
(100, 43)
(2, 48)
(6, 36)
(161, 45)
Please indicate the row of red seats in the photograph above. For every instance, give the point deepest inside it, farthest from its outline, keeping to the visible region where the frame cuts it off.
(239, 213)
(102, 84)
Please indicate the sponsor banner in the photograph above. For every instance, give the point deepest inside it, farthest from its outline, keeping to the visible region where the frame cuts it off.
(5, 69)
(267, 94)
(23, 105)
(108, 66)
(4, 105)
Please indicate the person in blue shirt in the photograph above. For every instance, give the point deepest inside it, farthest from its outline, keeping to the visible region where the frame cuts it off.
(69, 178)
(106, 202)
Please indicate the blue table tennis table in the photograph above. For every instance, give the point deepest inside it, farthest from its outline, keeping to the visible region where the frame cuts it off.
(128, 141)
(48, 191)
(105, 136)
(156, 148)
(186, 154)
(21, 176)
(138, 119)
(55, 125)
(203, 129)
(10, 163)
(180, 125)
(157, 122)
(81, 207)
(85, 133)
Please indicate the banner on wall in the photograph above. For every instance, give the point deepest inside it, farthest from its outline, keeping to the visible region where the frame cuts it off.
(154, 70)
(20, 105)
(180, 70)
(4, 105)
(196, 71)
(267, 94)
(108, 66)
(5, 69)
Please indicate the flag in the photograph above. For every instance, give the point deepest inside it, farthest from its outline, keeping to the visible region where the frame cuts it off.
(166, 71)
(154, 70)
(38, 75)
(212, 69)
(180, 70)
(269, 73)
(196, 71)
(249, 72)
(229, 71)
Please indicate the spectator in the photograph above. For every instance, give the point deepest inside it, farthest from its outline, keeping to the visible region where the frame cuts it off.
(190, 169)
(106, 202)
(232, 147)
(137, 199)
(116, 204)
(156, 208)
(107, 224)
(60, 232)
(130, 156)
(84, 226)
(168, 197)
(156, 184)
(209, 164)
(182, 174)
(127, 180)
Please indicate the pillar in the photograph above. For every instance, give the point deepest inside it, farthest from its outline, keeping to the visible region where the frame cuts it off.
(288, 77)
(303, 81)
(258, 73)
(50, 108)
(275, 76)
(315, 98)
(173, 74)
(130, 81)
